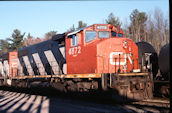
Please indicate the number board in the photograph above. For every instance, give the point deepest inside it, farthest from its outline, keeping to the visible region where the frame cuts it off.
(101, 27)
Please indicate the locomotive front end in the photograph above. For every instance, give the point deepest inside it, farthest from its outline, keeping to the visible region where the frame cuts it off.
(117, 61)
(117, 55)
(102, 50)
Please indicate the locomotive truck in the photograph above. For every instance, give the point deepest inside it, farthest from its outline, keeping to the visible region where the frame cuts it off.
(97, 57)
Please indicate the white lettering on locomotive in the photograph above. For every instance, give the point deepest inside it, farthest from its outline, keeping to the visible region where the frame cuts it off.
(102, 27)
(74, 51)
(116, 55)
(130, 58)
(123, 58)
(79, 49)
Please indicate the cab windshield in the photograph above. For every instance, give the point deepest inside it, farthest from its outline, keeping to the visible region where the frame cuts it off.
(90, 35)
(104, 34)
(120, 35)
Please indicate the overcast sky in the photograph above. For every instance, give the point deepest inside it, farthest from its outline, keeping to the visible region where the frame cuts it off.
(41, 17)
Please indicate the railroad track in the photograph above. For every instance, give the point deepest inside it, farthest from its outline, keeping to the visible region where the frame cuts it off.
(159, 102)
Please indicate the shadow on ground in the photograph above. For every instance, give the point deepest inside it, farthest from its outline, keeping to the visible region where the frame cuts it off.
(47, 100)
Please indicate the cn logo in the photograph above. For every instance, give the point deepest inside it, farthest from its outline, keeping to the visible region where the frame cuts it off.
(123, 58)
(115, 55)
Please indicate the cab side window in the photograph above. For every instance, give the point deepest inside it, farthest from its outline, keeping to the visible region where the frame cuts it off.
(90, 35)
(113, 34)
(74, 40)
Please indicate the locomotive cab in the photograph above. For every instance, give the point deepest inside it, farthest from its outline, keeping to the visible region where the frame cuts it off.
(100, 48)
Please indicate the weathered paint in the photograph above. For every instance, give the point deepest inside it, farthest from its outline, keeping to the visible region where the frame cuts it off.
(90, 75)
(13, 63)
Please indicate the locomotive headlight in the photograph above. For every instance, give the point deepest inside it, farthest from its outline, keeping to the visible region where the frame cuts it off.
(125, 44)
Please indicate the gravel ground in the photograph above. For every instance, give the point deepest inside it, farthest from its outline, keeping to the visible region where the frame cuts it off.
(13, 102)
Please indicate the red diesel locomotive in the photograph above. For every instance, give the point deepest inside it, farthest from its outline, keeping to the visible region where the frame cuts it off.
(100, 49)
(97, 57)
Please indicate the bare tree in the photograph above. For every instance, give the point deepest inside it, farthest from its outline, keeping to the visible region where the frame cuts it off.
(150, 29)
(49, 35)
(126, 29)
(4, 46)
(81, 24)
(30, 40)
(138, 27)
(161, 29)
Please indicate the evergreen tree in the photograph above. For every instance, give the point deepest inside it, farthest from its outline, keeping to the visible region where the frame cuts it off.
(138, 26)
(4, 46)
(113, 20)
(81, 24)
(16, 41)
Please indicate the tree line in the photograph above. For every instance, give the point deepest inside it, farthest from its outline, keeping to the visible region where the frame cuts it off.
(152, 28)
(17, 39)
